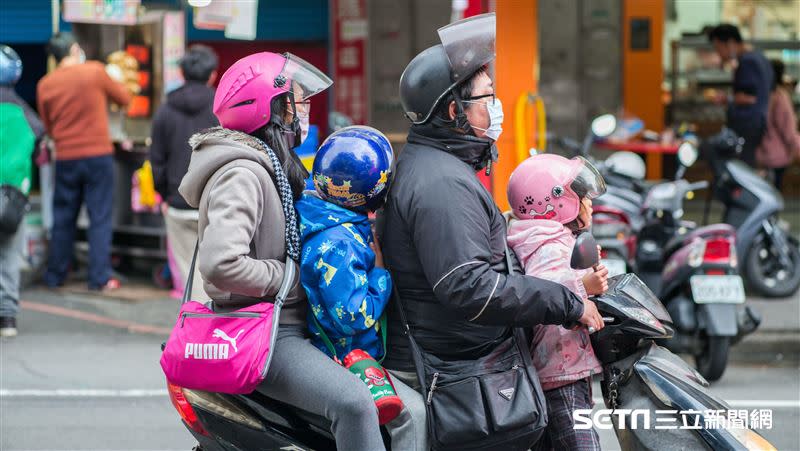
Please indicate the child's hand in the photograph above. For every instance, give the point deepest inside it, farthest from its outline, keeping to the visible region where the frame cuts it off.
(596, 282)
(376, 247)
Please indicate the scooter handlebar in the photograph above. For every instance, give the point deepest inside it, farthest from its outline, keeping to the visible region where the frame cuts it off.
(698, 185)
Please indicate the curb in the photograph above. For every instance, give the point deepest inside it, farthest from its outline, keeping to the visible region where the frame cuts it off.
(768, 347)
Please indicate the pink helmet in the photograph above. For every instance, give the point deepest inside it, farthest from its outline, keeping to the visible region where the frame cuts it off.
(549, 186)
(246, 89)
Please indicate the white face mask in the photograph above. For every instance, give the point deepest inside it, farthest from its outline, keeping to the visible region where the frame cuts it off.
(495, 119)
(303, 128)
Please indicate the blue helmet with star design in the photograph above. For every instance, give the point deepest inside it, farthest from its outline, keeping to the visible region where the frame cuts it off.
(353, 168)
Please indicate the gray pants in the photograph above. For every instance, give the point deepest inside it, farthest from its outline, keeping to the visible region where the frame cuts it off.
(409, 430)
(301, 375)
(11, 248)
(182, 237)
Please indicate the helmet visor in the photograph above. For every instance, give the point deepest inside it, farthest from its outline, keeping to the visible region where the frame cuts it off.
(588, 182)
(306, 80)
(469, 44)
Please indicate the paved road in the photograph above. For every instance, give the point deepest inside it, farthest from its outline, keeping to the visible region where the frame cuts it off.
(115, 397)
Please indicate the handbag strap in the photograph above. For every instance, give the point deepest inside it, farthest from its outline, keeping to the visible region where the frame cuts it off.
(416, 350)
(329, 344)
(187, 290)
(289, 273)
(509, 260)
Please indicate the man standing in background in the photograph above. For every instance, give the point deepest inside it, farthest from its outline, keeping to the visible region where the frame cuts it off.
(752, 82)
(73, 102)
(187, 111)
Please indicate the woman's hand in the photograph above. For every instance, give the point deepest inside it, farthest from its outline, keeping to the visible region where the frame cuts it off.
(376, 247)
(596, 282)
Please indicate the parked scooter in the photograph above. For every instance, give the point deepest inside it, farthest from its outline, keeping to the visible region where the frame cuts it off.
(641, 378)
(770, 257)
(616, 214)
(695, 271)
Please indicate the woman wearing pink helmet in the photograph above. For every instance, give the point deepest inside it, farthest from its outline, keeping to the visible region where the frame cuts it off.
(244, 178)
(551, 201)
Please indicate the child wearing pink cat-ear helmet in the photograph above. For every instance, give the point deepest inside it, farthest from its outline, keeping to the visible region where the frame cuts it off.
(551, 200)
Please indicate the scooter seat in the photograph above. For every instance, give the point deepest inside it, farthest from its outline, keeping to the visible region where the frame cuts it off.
(277, 412)
(679, 241)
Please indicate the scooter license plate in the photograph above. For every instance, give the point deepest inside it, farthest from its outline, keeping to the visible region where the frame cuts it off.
(615, 266)
(717, 289)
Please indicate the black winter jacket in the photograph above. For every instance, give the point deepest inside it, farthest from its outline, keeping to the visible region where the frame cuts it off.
(187, 111)
(443, 239)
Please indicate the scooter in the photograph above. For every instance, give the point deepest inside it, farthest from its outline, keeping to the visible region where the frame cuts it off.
(616, 214)
(222, 422)
(641, 378)
(770, 256)
(695, 271)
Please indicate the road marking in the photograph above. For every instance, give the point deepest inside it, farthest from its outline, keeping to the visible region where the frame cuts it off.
(93, 318)
(82, 393)
(755, 403)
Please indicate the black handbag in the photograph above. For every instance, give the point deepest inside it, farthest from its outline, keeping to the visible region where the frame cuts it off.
(13, 205)
(494, 402)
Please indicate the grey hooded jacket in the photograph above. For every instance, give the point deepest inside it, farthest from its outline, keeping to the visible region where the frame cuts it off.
(241, 226)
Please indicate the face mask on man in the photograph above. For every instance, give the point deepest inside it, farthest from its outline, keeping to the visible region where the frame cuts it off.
(495, 128)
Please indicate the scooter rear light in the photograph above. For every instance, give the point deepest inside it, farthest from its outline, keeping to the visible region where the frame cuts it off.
(696, 253)
(720, 250)
(185, 409)
(715, 272)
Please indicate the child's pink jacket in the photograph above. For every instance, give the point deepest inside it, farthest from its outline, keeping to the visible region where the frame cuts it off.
(544, 248)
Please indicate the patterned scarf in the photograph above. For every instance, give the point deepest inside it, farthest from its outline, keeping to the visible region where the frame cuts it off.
(287, 202)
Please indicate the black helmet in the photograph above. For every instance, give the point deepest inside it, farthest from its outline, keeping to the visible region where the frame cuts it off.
(467, 45)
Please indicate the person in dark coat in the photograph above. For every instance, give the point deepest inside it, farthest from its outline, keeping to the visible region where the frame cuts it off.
(187, 111)
(752, 83)
(443, 236)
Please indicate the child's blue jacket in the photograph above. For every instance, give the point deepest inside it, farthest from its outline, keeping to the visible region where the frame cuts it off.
(347, 294)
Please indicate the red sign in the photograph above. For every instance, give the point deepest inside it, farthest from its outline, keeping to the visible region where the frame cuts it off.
(350, 29)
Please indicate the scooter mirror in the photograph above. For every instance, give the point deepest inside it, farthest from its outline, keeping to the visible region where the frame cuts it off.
(603, 126)
(585, 253)
(687, 154)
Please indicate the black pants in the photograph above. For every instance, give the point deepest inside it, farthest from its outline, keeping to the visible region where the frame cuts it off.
(90, 181)
(778, 174)
(753, 132)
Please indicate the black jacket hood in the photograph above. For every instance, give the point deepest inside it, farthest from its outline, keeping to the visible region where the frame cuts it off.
(191, 98)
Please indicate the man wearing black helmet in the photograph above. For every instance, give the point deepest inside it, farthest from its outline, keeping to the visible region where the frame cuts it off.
(443, 237)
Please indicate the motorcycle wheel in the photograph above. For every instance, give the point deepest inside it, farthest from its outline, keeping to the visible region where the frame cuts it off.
(766, 274)
(711, 362)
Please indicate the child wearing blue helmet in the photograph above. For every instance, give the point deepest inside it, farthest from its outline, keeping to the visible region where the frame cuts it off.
(341, 267)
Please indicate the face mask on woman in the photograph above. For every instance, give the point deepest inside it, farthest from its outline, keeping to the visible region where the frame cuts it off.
(304, 126)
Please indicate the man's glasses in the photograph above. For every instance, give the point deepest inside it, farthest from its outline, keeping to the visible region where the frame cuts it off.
(490, 99)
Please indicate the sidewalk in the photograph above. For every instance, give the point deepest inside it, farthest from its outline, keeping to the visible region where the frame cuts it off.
(778, 337)
(136, 302)
(776, 340)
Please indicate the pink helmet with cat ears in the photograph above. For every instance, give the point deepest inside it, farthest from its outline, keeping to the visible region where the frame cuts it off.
(245, 92)
(551, 187)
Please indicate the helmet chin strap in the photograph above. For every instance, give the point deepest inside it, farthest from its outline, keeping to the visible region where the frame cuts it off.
(461, 121)
(292, 128)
